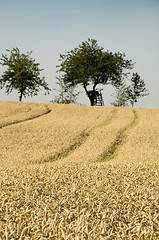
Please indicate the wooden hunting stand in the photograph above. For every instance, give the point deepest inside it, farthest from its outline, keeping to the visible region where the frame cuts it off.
(96, 97)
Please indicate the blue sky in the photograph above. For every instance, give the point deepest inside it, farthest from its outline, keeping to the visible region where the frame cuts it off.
(53, 27)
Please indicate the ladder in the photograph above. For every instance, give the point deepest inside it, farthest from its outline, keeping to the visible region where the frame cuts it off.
(99, 99)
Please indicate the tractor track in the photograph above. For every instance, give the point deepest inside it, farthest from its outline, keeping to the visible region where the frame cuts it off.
(66, 152)
(120, 139)
(27, 119)
(79, 141)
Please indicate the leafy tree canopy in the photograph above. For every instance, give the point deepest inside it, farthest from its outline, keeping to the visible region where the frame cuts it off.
(22, 74)
(89, 65)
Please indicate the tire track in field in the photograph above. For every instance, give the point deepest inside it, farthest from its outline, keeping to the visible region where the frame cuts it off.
(120, 139)
(27, 119)
(79, 141)
(66, 152)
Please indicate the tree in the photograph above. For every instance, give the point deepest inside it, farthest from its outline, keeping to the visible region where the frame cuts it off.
(130, 94)
(137, 89)
(22, 74)
(66, 95)
(122, 96)
(89, 65)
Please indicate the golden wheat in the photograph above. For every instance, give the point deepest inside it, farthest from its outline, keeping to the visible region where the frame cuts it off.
(89, 201)
(142, 142)
(44, 138)
(103, 184)
(15, 112)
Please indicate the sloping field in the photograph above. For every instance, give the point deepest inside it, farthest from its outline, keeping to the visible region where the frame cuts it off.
(18, 112)
(78, 172)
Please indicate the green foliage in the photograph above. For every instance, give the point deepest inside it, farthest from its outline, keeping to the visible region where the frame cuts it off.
(130, 94)
(22, 74)
(66, 95)
(122, 96)
(89, 65)
(137, 89)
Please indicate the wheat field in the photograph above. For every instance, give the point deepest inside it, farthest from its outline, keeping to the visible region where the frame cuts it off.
(78, 172)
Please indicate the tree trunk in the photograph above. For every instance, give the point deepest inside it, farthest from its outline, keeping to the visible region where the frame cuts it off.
(90, 94)
(21, 95)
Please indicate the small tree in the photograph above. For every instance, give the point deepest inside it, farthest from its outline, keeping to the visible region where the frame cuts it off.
(137, 89)
(89, 65)
(22, 74)
(130, 94)
(66, 95)
(122, 96)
